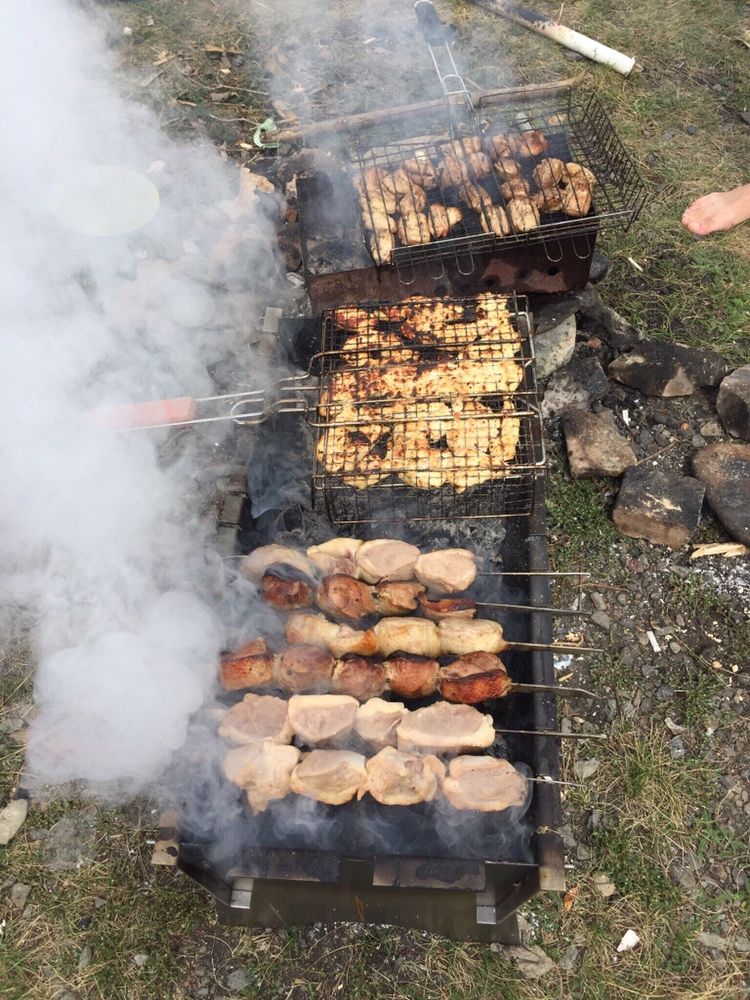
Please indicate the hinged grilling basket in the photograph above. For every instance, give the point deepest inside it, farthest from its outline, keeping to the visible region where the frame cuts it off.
(427, 409)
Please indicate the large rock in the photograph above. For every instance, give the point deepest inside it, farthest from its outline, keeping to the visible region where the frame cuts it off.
(725, 471)
(11, 819)
(574, 387)
(657, 368)
(71, 843)
(733, 402)
(665, 509)
(554, 348)
(551, 310)
(603, 322)
(595, 445)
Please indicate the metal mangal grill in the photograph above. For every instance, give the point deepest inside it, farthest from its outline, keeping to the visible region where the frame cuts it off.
(427, 409)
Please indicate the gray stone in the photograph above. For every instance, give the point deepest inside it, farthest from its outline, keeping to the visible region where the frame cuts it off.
(99, 902)
(598, 601)
(530, 961)
(574, 386)
(725, 471)
(584, 769)
(604, 885)
(709, 940)
(238, 980)
(85, 957)
(71, 843)
(554, 348)
(551, 311)
(11, 819)
(600, 265)
(677, 747)
(140, 959)
(733, 402)
(658, 368)
(602, 619)
(711, 429)
(595, 445)
(19, 893)
(569, 958)
(607, 324)
(661, 507)
(683, 877)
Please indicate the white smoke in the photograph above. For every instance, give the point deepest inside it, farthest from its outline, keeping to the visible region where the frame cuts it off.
(100, 536)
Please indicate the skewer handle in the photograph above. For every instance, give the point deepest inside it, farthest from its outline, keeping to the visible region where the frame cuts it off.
(152, 413)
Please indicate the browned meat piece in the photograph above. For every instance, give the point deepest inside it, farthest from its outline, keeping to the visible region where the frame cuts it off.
(348, 319)
(446, 571)
(527, 145)
(285, 595)
(479, 636)
(386, 559)
(453, 170)
(523, 214)
(304, 668)
(516, 187)
(494, 219)
(396, 597)
(263, 770)
(413, 229)
(421, 170)
(344, 597)
(322, 719)
(407, 635)
(377, 722)
(250, 666)
(375, 218)
(316, 630)
(500, 146)
(507, 166)
(381, 244)
(442, 219)
(444, 728)
(256, 718)
(398, 183)
(359, 677)
(403, 779)
(484, 784)
(330, 776)
(255, 565)
(415, 200)
(548, 173)
(411, 677)
(549, 199)
(471, 144)
(576, 190)
(474, 678)
(374, 186)
(447, 607)
(335, 556)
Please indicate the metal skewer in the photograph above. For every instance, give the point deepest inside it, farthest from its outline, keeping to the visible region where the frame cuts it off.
(558, 612)
(555, 647)
(552, 732)
(515, 688)
(532, 572)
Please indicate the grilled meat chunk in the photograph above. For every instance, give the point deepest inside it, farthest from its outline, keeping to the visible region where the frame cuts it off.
(316, 630)
(408, 635)
(359, 677)
(304, 668)
(446, 571)
(413, 229)
(256, 718)
(447, 607)
(263, 770)
(524, 215)
(549, 172)
(411, 676)
(284, 594)
(442, 219)
(322, 719)
(377, 721)
(255, 565)
(336, 555)
(250, 666)
(474, 678)
(344, 597)
(330, 776)
(527, 145)
(397, 597)
(386, 559)
(403, 779)
(415, 200)
(484, 784)
(421, 169)
(446, 729)
(479, 636)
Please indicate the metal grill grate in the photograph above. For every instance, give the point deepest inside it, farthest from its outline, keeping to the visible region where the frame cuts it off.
(577, 130)
(427, 409)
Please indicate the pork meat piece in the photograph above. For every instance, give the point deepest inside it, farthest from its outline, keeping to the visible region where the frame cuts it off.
(304, 668)
(403, 779)
(445, 729)
(443, 219)
(360, 677)
(447, 607)
(335, 556)
(397, 597)
(344, 597)
(524, 215)
(407, 635)
(316, 630)
(376, 722)
(386, 559)
(484, 784)
(284, 594)
(322, 719)
(474, 678)
(255, 565)
(411, 677)
(459, 637)
(250, 666)
(256, 718)
(262, 769)
(330, 776)
(446, 571)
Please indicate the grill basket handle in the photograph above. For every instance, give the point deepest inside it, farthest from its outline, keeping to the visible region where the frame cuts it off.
(431, 25)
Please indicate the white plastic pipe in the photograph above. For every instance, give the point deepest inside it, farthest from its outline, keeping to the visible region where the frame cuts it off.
(573, 40)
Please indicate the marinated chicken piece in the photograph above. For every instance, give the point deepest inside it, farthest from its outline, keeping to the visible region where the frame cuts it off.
(524, 215)
(359, 677)
(316, 630)
(344, 597)
(442, 219)
(408, 635)
(255, 565)
(446, 571)
(413, 229)
(446, 729)
(349, 319)
(335, 556)
(263, 770)
(411, 676)
(250, 666)
(374, 186)
(421, 170)
(403, 779)
(256, 718)
(478, 636)
(284, 594)
(549, 172)
(516, 187)
(526, 145)
(500, 146)
(304, 668)
(382, 245)
(350, 443)
(322, 719)
(447, 607)
(507, 167)
(330, 776)
(398, 183)
(494, 220)
(385, 559)
(484, 784)
(577, 185)
(375, 218)
(376, 722)
(397, 597)
(453, 170)
(415, 200)
(470, 144)
(473, 678)
(548, 199)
